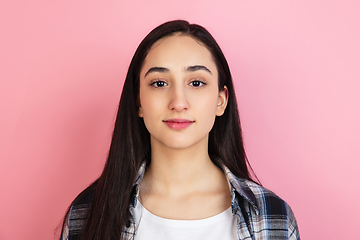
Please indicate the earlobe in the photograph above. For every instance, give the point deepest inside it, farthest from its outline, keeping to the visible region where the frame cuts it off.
(222, 101)
(140, 113)
(138, 104)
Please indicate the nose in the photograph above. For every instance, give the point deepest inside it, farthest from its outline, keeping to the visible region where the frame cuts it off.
(178, 99)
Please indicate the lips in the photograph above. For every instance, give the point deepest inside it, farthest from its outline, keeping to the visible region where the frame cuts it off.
(178, 123)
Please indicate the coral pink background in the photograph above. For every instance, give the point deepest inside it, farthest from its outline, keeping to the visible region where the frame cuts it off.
(296, 71)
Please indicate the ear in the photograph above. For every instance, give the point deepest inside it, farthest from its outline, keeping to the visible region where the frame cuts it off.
(222, 101)
(140, 113)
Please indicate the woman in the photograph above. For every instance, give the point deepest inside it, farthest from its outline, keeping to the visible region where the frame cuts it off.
(177, 168)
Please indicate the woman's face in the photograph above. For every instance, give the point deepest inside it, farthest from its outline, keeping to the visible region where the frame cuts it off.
(179, 94)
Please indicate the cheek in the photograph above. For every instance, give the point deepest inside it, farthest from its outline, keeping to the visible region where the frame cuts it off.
(151, 107)
(206, 108)
(207, 102)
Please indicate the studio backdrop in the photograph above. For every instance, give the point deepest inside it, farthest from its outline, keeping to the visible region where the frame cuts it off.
(295, 65)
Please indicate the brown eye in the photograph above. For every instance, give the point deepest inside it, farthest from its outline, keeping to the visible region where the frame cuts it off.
(159, 84)
(197, 83)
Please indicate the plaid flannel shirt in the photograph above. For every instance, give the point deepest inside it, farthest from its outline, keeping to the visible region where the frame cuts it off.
(260, 214)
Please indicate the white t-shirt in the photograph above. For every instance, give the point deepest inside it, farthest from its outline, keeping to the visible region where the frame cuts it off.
(151, 227)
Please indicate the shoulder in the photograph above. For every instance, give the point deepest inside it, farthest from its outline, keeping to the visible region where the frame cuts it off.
(270, 211)
(267, 201)
(78, 213)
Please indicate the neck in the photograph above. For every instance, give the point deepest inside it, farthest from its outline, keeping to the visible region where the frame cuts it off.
(180, 170)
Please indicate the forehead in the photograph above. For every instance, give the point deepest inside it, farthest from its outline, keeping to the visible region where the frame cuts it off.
(179, 50)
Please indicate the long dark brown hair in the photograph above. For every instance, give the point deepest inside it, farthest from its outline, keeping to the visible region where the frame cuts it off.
(130, 145)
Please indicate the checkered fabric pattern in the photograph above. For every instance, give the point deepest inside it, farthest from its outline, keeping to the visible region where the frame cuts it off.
(260, 214)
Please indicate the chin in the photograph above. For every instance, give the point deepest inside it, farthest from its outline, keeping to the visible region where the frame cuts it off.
(183, 144)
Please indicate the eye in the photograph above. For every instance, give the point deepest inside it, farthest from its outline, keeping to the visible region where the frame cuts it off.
(197, 83)
(159, 83)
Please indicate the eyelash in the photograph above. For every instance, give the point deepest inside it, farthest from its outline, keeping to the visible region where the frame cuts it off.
(198, 81)
(157, 81)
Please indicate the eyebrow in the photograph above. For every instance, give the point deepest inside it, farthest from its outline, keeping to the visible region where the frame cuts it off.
(188, 69)
(157, 69)
(197, 68)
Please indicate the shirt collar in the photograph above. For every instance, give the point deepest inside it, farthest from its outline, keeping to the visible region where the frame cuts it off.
(239, 185)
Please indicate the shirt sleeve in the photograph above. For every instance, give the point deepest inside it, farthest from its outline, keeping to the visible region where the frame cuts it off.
(293, 229)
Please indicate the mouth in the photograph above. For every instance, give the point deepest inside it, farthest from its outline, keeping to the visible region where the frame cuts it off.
(178, 123)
